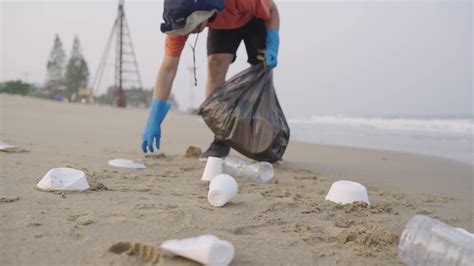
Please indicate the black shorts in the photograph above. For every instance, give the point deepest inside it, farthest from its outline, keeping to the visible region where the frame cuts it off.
(253, 33)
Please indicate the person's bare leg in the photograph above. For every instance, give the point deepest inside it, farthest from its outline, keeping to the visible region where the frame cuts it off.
(217, 65)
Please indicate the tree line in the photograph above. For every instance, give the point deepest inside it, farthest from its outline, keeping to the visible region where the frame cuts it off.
(70, 77)
(64, 77)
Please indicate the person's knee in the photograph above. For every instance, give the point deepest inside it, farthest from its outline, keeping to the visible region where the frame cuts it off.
(219, 63)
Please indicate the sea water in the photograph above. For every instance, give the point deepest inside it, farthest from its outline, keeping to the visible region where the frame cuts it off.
(450, 138)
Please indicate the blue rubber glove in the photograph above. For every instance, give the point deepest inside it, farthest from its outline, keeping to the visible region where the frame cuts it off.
(152, 132)
(273, 42)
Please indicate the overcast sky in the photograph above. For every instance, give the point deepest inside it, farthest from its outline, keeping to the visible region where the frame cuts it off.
(354, 58)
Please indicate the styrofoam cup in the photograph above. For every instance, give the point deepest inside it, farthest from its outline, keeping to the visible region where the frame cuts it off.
(345, 192)
(125, 163)
(63, 179)
(221, 190)
(205, 249)
(212, 169)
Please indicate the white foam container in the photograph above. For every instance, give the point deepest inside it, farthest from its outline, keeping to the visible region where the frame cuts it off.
(345, 192)
(125, 163)
(64, 179)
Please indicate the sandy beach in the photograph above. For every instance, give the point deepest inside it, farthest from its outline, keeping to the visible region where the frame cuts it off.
(286, 222)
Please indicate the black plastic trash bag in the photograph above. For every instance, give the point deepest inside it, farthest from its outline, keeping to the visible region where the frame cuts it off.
(244, 112)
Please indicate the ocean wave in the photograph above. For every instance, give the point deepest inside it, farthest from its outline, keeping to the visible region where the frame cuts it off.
(463, 126)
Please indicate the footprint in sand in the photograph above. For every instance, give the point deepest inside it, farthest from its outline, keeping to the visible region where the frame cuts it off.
(33, 224)
(190, 168)
(309, 235)
(9, 200)
(276, 193)
(169, 207)
(146, 253)
(145, 206)
(80, 219)
(247, 229)
(155, 156)
(310, 178)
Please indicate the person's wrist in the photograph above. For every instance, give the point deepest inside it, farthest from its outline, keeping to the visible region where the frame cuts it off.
(159, 109)
(157, 101)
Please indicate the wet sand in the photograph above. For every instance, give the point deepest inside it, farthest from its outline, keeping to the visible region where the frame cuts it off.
(286, 222)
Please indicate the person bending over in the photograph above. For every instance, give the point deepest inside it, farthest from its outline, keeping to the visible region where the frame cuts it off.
(256, 22)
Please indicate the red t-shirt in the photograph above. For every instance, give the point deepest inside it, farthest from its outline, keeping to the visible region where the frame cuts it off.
(236, 14)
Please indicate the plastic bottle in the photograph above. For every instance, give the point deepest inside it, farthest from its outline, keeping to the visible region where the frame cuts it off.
(259, 171)
(426, 241)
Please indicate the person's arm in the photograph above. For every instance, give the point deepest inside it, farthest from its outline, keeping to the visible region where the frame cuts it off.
(165, 77)
(274, 21)
(159, 107)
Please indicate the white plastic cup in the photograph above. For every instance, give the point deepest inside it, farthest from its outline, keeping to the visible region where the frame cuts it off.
(212, 169)
(205, 249)
(345, 192)
(221, 190)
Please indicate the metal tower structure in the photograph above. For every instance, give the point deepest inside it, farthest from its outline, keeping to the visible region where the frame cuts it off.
(126, 67)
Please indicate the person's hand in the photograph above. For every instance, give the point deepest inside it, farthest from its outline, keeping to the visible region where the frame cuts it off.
(152, 131)
(271, 53)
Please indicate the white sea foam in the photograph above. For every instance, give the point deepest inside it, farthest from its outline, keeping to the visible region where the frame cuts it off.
(444, 137)
(464, 126)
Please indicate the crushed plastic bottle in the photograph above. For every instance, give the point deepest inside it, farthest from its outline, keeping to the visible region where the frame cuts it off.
(426, 241)
(259, 171)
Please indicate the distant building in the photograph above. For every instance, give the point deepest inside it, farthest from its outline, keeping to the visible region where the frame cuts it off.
(137, 98)
(83, 95)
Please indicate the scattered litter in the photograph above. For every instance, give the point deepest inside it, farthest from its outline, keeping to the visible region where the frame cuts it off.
(63, 179)
(193, 152)
(5, 147)
(345, 192)
(212, 169)
(258, 171)
(9, 200)
(205, 249)
(124, 163)
(221, 190)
